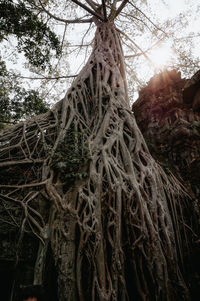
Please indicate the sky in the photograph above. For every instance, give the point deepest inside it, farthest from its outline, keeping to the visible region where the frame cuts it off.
(160, 10)
(173, 8)
(163, 10)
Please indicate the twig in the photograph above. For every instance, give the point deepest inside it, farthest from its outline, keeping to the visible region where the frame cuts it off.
(79, 20)
(145, 55)
(147, 18)
(137, 19)
(147, 50)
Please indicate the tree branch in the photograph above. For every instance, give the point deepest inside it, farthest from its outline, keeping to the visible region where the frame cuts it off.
(137, 19)
(92, 4)
(94, 13)
(148, 18)
(48, 78)
(104, 10)
(123, 4)
(145, 55)
(144, 51)
(79, 20)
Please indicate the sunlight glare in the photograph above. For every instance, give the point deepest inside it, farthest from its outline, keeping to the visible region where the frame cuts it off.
(161, 56)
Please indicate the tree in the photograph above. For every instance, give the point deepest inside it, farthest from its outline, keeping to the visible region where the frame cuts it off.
(45, 68)
(115, 222)
(36, 41)
(34, 37)
(17, 103)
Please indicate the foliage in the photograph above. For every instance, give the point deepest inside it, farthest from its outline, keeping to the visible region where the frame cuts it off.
(71, 155)
(17, 103)
(38, 43)
(35, 39)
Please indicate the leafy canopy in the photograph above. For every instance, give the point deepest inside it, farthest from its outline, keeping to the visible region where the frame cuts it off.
(17, 103)
(36, 41)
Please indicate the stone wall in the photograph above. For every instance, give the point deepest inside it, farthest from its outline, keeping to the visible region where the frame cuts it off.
(168, 115)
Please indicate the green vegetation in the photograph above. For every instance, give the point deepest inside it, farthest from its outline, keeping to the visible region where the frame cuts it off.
(71, 155)
(34, 37)
(37, 43)
(17, 103)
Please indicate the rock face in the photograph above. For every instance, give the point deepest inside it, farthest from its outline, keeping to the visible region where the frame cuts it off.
(168, 115)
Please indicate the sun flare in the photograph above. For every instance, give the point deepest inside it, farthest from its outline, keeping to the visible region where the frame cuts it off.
(161, 56)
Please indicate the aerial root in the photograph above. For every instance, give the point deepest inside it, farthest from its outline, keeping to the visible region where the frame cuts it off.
(113, 216)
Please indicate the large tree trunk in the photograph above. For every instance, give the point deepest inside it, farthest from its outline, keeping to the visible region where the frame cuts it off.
(114, 236)
(113, 221)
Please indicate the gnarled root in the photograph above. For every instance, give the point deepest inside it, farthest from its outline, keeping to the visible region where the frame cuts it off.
(114, 232)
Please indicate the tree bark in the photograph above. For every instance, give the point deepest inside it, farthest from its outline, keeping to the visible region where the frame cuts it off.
(122, 226)
(114, 228)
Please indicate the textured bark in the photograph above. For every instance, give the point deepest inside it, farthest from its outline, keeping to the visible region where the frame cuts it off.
(114, 228)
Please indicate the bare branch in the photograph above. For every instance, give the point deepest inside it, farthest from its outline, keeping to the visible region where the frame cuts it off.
(94, 13)
(145, 51)
(92, 4)
(104, 10)
(79, 20)
(46, 78)
(137, 19)
(123, 4)
(84, 38)
(113, 6)
(147, 18)
(145, 55)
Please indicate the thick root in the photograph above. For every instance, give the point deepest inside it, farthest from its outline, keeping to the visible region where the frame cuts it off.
(114, 228)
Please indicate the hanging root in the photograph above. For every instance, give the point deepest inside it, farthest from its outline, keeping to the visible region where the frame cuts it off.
(114, 225)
